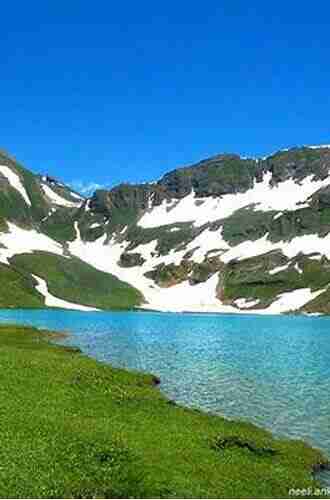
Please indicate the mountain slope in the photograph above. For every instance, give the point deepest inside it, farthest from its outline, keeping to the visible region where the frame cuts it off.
(36, 220)
(225, 235)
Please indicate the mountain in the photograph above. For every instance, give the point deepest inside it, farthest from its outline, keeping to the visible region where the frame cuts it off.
(229, 234)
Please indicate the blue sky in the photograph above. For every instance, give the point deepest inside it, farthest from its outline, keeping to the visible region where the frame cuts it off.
(106, 92)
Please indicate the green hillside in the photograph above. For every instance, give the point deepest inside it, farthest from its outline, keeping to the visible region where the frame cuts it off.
(78, 282)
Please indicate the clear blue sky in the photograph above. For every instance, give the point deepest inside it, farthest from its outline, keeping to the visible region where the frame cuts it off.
(113, 91)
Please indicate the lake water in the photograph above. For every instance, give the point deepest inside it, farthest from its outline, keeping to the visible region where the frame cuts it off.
(271, 370)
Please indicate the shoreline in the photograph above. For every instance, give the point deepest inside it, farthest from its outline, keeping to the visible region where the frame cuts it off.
(185, 312)
(207, 452)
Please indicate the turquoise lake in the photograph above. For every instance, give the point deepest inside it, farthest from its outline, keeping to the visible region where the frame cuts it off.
(271, 370)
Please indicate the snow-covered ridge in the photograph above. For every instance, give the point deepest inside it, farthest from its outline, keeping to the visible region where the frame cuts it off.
(307, 146)
(321, 146)
(15, 181)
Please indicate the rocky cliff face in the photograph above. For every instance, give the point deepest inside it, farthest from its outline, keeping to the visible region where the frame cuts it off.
(227, 234)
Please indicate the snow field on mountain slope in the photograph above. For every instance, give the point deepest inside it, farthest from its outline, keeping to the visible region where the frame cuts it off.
(287, 195)
(180, 297)
(57, 199)
(19, 240)
(306, 244)
(15, 182)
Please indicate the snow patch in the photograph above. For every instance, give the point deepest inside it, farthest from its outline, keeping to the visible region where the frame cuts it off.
(279, 269)
(18, 241)
(207, 241)
(52, 301)
(305, 244)
(321, 146)
(244, 303)
(56, 199)
(77, 196)
(15, 181)
(291, 301)
(315, 257)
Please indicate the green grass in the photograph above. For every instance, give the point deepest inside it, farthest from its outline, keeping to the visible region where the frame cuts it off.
(73, 427)
(17, 289)
(75, 281)
(60, 225)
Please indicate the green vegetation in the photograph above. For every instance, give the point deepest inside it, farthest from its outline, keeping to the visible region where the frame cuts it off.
(246, 224)
(166, 238)
(219, 175)
(60, 225)
(75, 281)
(75, 428)
(298, 162)
(299, 222)
(250, 278)
(18, 289)
(320, 304)
(12, 205)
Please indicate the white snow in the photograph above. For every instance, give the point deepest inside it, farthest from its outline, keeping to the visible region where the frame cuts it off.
(56, 199)
(75, 195)
(181, 297)
(15, 181)
(315, 257)
(305, 244)
(18, 241)
(52, 301)
(297, 268)
(291, 301)
(94, 225)
(321, 146)
(207, 241)
(287, 195)
(277, 215)
(285, 302)
(279, 269)
(186, 297)
(244, 303)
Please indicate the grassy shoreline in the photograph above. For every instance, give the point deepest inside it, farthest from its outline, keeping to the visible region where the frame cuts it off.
(74, 427)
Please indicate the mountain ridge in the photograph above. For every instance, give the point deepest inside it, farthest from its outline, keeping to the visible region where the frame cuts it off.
(227, 234)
